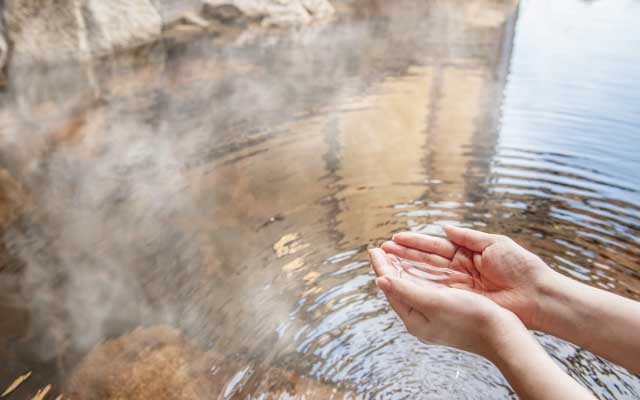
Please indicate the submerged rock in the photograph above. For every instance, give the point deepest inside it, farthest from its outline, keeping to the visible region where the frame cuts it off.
(13, 199)
(153, 363)
(159, 363)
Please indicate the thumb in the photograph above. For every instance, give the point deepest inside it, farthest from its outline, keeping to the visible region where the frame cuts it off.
(473, 240)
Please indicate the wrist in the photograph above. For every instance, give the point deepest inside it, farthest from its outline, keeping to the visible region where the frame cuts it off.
(510, 343)
(505, 332)
(551, 292)
(544, 292)
(519, 354)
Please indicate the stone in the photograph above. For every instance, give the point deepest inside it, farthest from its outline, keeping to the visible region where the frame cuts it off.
(120, 24)
(4, 47)
(318, 8)
(225, 13)
(280, 383)
(13, 199)
(173, 10)
(158, 363)
(270, 12)
(56, 30)
(192, 19)
(148, 363)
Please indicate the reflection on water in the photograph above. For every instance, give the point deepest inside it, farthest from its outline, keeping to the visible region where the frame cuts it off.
(231, 191)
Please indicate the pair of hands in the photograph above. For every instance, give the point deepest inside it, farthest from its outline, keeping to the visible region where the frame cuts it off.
(499, 297)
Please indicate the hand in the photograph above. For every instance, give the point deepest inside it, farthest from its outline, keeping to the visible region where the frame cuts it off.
(499, 268)
(447, 316)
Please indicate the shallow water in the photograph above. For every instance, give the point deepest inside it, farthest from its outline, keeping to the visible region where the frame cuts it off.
(230, 189)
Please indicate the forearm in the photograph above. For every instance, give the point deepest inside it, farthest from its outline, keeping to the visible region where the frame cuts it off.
(532, 373)
(599, 321)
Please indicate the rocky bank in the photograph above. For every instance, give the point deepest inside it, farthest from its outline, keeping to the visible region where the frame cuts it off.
(36, 31)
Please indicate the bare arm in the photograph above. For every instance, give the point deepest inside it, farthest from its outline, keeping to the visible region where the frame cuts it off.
(599, 321)
(532, 373)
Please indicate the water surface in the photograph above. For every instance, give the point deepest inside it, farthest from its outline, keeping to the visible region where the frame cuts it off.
(230, 188)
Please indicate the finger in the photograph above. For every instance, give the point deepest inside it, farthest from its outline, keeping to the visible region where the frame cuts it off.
(424, 274)
(395, 264)
(398, 306)
(429, 244)
(413, 319)
(463, 261)
(473, 240)
(424, 300)
(477, 262)
(436, 264)
(415, 255)
(427, 274)
(380, 263)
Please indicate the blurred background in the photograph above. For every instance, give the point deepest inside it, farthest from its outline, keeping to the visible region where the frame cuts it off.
(188, 189)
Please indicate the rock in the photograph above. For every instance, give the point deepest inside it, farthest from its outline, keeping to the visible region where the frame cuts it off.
(55, 30)
(13, 199)
(318, 8)
(192, 19)
(269, 12)
(4, 47)
(120, 24)
(279, 383)
(159, 363)
(225, 13)
(172, 10)
(149, 363)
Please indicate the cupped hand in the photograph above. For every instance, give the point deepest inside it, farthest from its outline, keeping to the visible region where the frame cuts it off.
(444, 315)
(498, 267)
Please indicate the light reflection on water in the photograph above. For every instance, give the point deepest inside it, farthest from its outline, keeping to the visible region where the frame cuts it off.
(382, 130)
(559, 178)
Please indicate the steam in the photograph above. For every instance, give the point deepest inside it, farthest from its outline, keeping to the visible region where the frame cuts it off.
(97, 219)
(107, 152)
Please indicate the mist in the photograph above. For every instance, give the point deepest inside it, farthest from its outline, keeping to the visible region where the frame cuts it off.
(123, 229)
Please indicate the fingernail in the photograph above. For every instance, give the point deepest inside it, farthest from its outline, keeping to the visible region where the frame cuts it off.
(384, 284)
(396, 235)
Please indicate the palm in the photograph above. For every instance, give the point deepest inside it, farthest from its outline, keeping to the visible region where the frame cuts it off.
(485, 279)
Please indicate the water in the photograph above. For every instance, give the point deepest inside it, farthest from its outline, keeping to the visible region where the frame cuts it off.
(230, 188)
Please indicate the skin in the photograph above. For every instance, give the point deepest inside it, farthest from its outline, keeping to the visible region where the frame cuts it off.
(507, 290)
